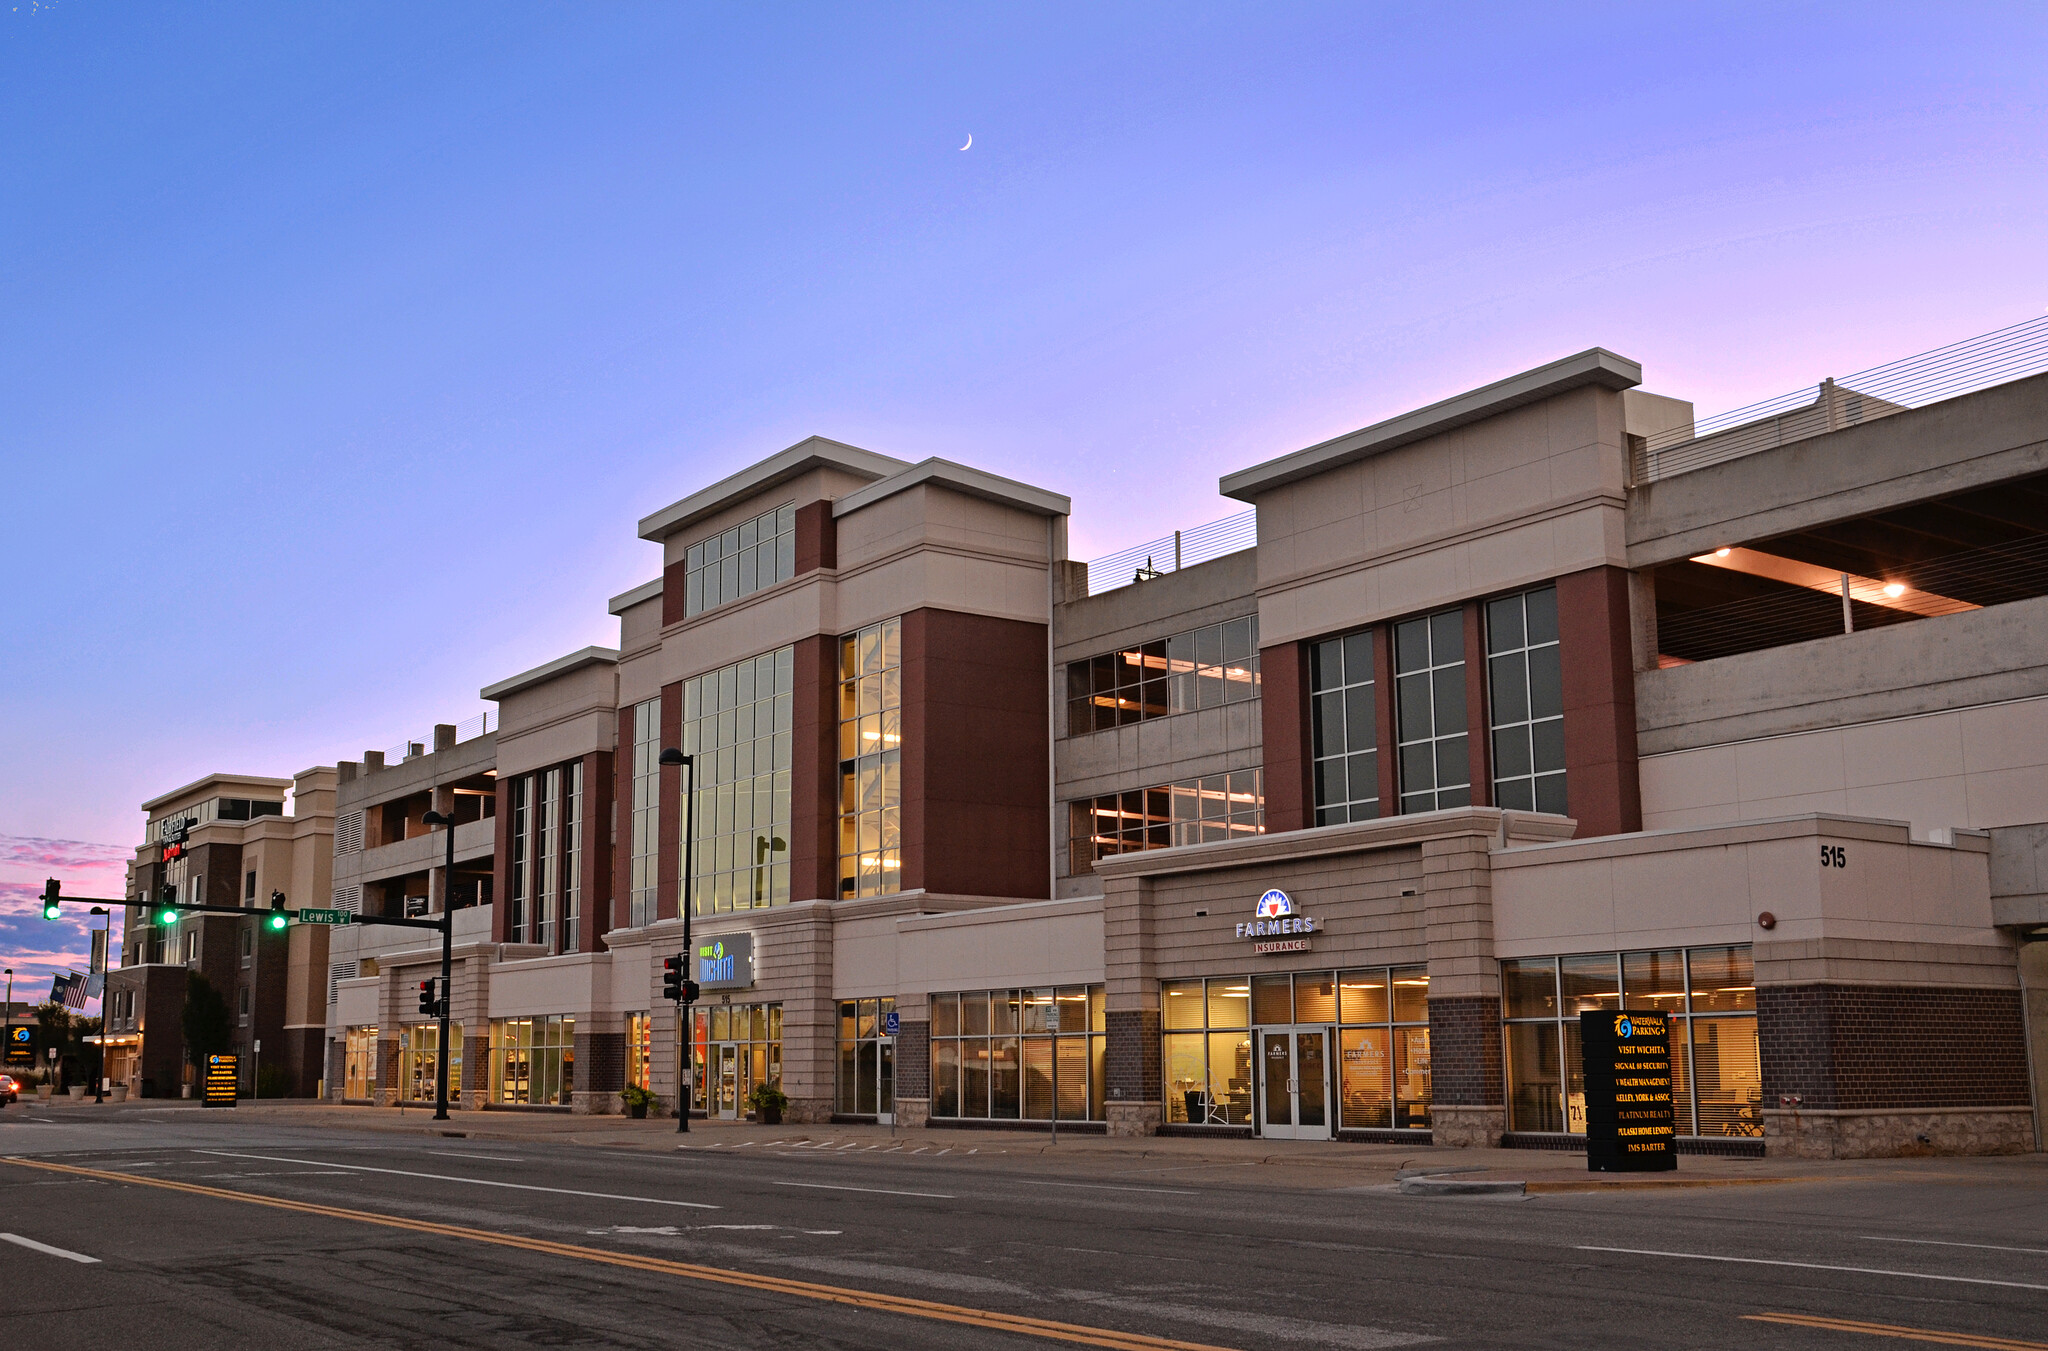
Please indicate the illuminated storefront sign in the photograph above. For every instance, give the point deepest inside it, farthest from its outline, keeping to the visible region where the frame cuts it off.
(1274, 927)
(726, 963)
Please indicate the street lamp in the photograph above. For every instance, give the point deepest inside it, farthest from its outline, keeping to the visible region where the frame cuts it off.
(99, 1077)
(447, 823)
(686, 1068)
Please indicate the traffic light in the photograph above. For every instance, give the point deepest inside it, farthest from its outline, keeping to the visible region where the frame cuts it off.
(167, 909)
(672, 978)
(428, 1004)
(279, 919)
(689, 992)
(51, 908)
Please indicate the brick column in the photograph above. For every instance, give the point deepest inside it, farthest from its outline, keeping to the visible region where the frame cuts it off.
(1134, 1101)
(913, 1071)
(1284, 718)
(1467, 1097)
(387, 1072)
(814, 771)
(1595, 644)
(337, 1069)
(476, 1069)
(600, 1072)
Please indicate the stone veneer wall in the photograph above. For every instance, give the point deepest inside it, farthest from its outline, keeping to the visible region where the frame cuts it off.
(1852, 1071)
(1134, 1103)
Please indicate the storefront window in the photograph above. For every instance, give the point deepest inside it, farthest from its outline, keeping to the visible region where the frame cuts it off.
(867, 1058)
(359, 1063)
(533, 1061)
(640, 1050)
(417, 1060)
(1709, 996)
(734, 1047)
(996, 1055)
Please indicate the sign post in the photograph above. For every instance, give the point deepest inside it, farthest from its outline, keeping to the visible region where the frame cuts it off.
(1630, 1127)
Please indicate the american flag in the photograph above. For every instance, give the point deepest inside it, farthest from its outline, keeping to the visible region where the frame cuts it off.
(68, 991)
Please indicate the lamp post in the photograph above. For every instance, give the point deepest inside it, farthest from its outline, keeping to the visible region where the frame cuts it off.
(10, 1010)
(686, 1069)
(447, 824)
(99, 1073)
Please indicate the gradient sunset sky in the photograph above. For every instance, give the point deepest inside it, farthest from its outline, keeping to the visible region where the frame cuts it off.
(343, 345)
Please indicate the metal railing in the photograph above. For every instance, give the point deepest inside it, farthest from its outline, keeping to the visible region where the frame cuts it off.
(1994, 358)
(1171, 553)
(469, 729)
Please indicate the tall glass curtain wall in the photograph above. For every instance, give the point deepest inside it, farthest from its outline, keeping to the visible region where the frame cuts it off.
(867, 1058)
(736, 722)
(1214, 807)
(546, 891)
(735, 1047)
(871, 760)
(646, 811)
(1203, 668)
(1525, 681)
(749, 557)
(1709, 997)
(1379, 1015)
(995, 1058)
(533, 1061)
(1345, 724)
(418, 1057)
(359, 1063)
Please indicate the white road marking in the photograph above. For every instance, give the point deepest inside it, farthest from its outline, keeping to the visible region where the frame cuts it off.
(876, 1191)
(492, 1158)
(1945, 1243)
(46, 1248)
(1816, 1266)
(472, 1181)
(1106, 1187)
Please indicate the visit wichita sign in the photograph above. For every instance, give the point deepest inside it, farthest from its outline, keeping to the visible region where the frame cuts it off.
(1275, 927)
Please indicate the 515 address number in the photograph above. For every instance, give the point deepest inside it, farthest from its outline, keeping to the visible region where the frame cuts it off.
(1833, 856)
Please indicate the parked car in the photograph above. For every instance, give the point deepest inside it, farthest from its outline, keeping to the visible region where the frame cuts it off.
(9, 1089)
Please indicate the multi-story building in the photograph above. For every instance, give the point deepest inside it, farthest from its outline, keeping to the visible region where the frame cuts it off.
(241, 847)
(1533, 701)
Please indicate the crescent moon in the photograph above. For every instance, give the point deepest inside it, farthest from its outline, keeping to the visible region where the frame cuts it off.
(970, 141)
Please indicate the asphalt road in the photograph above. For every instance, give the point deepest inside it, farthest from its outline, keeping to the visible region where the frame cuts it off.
(208, 1232)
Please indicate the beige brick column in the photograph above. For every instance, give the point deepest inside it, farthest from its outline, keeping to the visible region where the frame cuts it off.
(1133, 1103)
(1468, 1102)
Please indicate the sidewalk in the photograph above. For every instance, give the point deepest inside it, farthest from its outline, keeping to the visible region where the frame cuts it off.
(1309, 1163)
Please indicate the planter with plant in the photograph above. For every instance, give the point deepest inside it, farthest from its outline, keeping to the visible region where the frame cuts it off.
(637, 1100)
(769, 1103)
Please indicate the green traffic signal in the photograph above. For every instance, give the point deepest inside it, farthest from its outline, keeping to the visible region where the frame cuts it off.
(279, 920)
(167, 916)
(51, 910)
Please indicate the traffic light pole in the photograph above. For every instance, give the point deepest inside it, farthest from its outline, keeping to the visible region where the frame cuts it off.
(686, 1059)
(447, 963)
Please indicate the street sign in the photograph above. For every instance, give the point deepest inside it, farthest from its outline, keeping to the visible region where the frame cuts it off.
(1630, 1127)
(892, 1023)
(222, 1081)
(327, 917)
(1052, 1018)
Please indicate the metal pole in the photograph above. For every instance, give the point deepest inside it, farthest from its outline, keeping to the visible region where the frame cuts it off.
(685, 1069)
(447, 972)
(1848, 615)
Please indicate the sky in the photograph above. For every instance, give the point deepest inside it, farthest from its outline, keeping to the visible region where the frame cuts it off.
(342, 345)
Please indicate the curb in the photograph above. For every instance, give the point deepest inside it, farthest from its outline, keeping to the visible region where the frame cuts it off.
(1646, 1184)
(1451, 1186)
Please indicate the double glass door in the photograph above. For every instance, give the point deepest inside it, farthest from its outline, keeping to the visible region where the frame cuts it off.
(1294, 1082)
(736, 1066)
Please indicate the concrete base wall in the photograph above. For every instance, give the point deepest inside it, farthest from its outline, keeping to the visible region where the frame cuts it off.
(1467, 1127)
(808, 1111)
(1888, 1135)
(913, 1112)
(1128, 1120)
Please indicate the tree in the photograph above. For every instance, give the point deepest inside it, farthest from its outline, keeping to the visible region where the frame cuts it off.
(55, 1028)
(209, 1030)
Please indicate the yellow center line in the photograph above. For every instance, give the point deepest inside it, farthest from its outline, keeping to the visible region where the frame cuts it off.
(775, 1285)
(1990, 1343)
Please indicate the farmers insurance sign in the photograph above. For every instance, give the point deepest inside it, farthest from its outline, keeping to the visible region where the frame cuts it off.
(1274, 927)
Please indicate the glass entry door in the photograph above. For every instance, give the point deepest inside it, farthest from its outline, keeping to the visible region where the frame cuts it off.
(728, 1068)
(1294, 1082)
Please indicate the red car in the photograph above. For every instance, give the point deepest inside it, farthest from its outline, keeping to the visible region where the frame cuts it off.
(9, 1089)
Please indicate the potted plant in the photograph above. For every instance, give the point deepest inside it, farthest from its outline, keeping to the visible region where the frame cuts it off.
(637, 1100)
(769, 1103)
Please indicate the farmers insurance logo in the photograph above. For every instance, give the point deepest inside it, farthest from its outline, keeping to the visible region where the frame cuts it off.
(715, 963)
(1274, 915)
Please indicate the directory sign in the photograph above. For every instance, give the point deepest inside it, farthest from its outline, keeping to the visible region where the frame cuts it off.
(222, 1081)
(21, 1045)
(1630, 1127)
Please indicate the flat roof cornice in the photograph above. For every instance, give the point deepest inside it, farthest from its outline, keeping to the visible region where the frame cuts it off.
(1594, 366)
(961, 479)
(217, 781)
(626, 600)
(810, 453)
(560, 666)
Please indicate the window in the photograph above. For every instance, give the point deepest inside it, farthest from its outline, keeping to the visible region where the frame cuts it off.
(1526, 680)
(547, 835)
(533, 1060)
(359, 1063)
(750, 556)
(1709, 996)
(1345, 720)
(1216, 807)
(244, 999)
(867, 1057)
(418, 1062)
(1204, 668)
(572, 854)
(1429, 712)
(646, 811)
(249, 886)
(995, 1055)
(640, 1050)
(736, 1046)
(519, 868)
(736, 723)
(871, 760)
